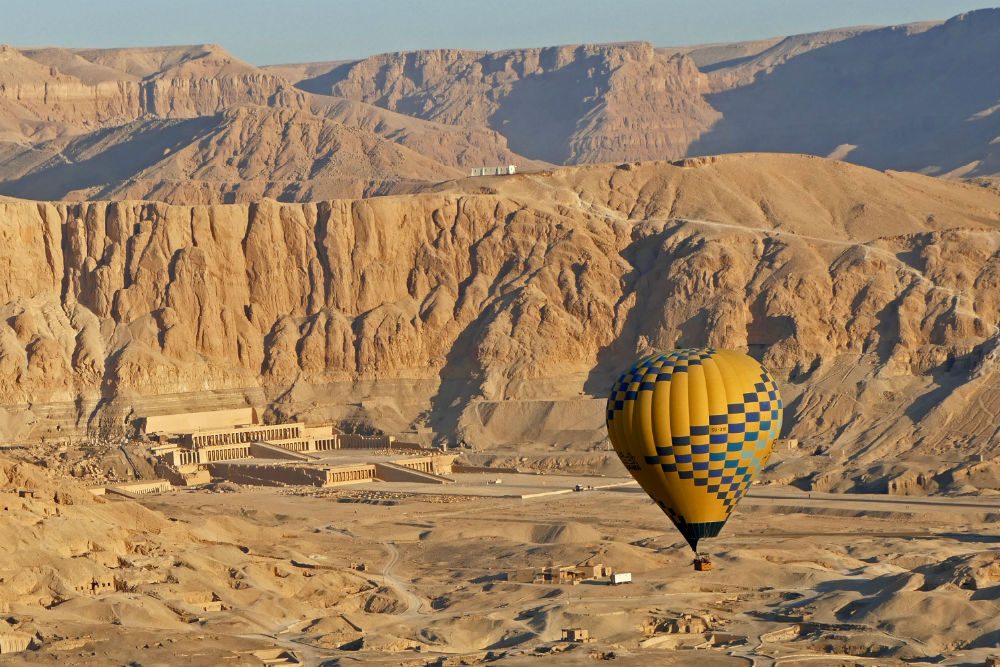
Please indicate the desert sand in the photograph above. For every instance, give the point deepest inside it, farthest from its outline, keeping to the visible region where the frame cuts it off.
(230, 577)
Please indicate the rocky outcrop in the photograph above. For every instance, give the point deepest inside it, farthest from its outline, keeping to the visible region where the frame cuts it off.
(539, 290)
(193, 125)
(205, 81)
(592, 103)
(240, 155)
(653, 109)
(888, 98)
(458, 146)
(142, 123)
(914, 97)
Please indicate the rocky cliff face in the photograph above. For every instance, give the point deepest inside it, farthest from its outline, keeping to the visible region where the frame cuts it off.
(883, 98)
(562, 104)
(141, 123)
(653, 108)
(193, 124)
(916, 97)
(243, 154)
(205, 81)
(851, 285)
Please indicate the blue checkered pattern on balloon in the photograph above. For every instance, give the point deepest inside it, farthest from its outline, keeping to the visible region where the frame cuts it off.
(751, 426)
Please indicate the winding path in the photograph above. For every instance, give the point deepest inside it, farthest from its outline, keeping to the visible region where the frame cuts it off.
(414, 603)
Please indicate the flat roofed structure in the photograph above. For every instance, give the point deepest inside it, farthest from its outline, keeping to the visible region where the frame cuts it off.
(180, 456)
(187, 422)
(500, 170)
(581, 635)
(355, 441)
(302, 444)
(15, 642)
(142, 488)
(241, 426)
(276, 473)
(325, 436)
(293, 453)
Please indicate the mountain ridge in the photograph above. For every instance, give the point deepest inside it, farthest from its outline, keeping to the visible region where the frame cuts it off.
(858, 94)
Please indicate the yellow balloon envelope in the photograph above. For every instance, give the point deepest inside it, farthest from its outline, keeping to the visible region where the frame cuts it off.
(694, 426)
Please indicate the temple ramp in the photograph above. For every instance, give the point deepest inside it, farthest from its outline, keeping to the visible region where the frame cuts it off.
(262, 450)
(393, 472)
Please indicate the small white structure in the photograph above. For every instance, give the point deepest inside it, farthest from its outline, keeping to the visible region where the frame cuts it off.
(621, 578)
(502, 170)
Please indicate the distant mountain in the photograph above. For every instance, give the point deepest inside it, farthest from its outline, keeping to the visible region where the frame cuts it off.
(919, 97)
(51, 93)
(242, 154)
(561, 104)
(923, 99)
(195, 124)
(97, 122)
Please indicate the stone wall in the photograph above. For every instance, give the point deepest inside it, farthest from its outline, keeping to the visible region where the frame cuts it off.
(268, 475)
(144, 488)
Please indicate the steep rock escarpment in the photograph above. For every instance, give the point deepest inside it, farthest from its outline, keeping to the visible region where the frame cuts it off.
(874, 299)
(111, 123)
(918, 98)
(41, 101)
(593, 103)
(191, 125)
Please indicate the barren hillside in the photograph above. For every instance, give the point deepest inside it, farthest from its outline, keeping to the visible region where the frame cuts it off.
(918, 97)
(119, 578)
(117, 123)
(887, 98)
(240, 155)
(562, 104)
(40, 100)
(872, 295)
(175, 124)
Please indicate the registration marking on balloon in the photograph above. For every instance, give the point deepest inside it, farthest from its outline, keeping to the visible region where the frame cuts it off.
(695, 426)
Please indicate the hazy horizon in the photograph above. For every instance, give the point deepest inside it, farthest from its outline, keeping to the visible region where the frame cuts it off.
(266, 33)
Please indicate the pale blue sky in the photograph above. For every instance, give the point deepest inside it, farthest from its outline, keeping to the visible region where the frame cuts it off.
(268, 31)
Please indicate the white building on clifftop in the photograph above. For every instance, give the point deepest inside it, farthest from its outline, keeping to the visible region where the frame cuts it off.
(502, 170)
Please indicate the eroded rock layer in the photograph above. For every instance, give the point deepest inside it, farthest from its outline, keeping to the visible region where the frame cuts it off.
(874, 296)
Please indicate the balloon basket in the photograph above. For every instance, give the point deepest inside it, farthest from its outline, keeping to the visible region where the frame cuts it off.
(703, 564)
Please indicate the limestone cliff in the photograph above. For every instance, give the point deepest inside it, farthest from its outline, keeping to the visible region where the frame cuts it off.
(194, 124)
(241, 155)
(591, 103)
(917, 97)
(165, 123)
(874, 297)
(40, 101)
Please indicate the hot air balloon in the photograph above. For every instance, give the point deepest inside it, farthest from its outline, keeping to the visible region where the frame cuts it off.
(694, 426)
